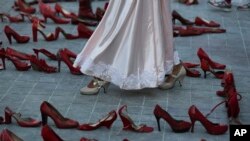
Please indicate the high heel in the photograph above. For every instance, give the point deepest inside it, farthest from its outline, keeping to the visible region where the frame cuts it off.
(190, 65)
(41, 65)
(20, 66)
(107, 121)
(17, 54)
(66, 35)
(227, 82)
(7, 135)
(65, 13)
(46, 53)
(30, 17)
(178, 77)
(85, 10)
(177, 126)
(61, 122)
(37, 27)
(2, 56)
(200, 22)
(23, 122)
(205, 66)
(48, 12)
(48, 134)
(24, 7)
(212, 128)
(9, 32)
(63, 56)
(176, 15)
(12, 19)
(94, 87)
(128, 123)
(84, 31)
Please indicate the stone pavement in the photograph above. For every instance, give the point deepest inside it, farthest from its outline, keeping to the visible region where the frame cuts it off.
(24, 91)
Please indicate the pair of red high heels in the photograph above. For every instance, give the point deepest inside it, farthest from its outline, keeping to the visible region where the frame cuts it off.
(180, 126)
(107, 121)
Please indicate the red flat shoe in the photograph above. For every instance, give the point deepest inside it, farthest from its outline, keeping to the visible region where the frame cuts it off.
(107, 121)
(9, 32)
(23, 122)
(192, 72)
(200, 22)
(128, 123)
(7, 135)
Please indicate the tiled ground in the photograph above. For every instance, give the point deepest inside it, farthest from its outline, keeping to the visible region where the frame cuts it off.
(24, 91)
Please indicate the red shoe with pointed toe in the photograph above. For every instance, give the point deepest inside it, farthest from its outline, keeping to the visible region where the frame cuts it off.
(23, 122)
(41, 65)
(212, 128)
(2, 56)
(61, 122)
(48, 134)
(65, 57)
(9, 32)
(177, 16)
(45, 52)
(12, 19)
(107, 121)
(128, 123)
(25, 7)
(66, 35)
(205, 66)
(30, 17)
(84, 31)
(177, 126)
(17, 54)
(7, 135)
(37, 27)
(227, 82)
(200, 22)
(20, 66)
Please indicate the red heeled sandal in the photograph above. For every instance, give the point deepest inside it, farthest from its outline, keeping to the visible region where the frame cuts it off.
(191, 72)
(177, 16)
(66, 35)
(41, 65)
(128, 123)
(212, 128)
(177, 126)
(12, 19)
(37, 27)
(84, 31)
(7, 135)
(64, 12)
(107, 121)
(46, 53)
(200, 22)
(61, 122)
(9, 32)
(17, 54)
(23, 122)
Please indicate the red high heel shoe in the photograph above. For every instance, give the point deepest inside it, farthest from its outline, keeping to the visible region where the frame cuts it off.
(30, 17)
(177, 16)
(7, 135)
(41, 65)
(190, 65)
(49, 135)
(66, 35)
(23, 122)
(207, 29)
(63, 56)
(107, 121)
(17, 54)
(2, 56)
(11, 33)
(85, 10)
(191, 72)
(84, 31)
(69, 53)
(24, 7)
(37, 27)
(177, 126)
(64, 12)
(12, 19)
(20, 66)
(61, 122)
(200, 22)
(212, 128)
(227, 82)
(233, 108)
(48, 12)
(45, 52)
(205, 66)
(128, 123)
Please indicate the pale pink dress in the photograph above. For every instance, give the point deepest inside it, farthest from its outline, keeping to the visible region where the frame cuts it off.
(132, 47)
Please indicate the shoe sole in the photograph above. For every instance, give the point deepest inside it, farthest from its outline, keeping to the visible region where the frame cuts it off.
(218, 8)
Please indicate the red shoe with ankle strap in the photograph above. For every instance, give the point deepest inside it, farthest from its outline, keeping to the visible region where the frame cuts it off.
(128, 123)
(37, 27)
(24, 7)
(17, 54)
(7, 135)
(9, 32)
(212, 128)
(23, 122)
(60, 121)
(203, 22)
(177, 126)
(45, 52)
(84, 31)
(107, 121)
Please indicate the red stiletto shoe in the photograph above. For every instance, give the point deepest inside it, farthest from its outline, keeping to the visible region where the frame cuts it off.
(20, 66)
(12, 19)
(66, 35)
(2, 56)
(107, 121)
(41, 65)
(9, 32)
(203, 55)
(7, 135)
(37, 27)
(49, 134)
(23, 122)
(128, 123)
(25, 7)
(70, 53)
(212, 128)
(17, 54)
(190, 65)
(205, 66)
(61, 122)
(63, 56)
(64, 12)
(84, 31)
(45, 52)
(177, 126)
(48, 12)
(177, 16)
(192, 72)
(200, 22)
